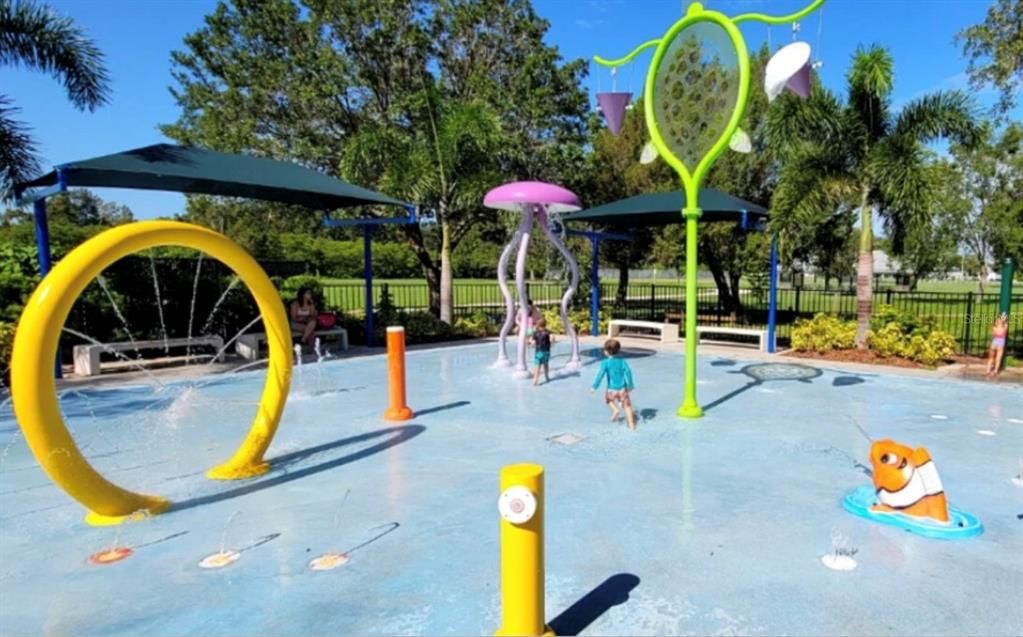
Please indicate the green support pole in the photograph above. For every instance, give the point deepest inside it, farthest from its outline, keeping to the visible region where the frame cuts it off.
(690, 408)
(692, 176)
(1005, 297)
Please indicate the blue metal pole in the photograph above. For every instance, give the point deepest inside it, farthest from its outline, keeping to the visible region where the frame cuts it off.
(594, 285)
(367, 273)
(772, 306)
(42, 236)
(43, 249)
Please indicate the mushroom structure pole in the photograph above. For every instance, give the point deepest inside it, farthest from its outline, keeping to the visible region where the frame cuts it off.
(574, 362)
(509, 301)
(521, 370)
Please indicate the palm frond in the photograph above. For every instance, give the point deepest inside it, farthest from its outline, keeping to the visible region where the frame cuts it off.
(790, 120)
(814, 184)
(34, 36)
(950, 114)
(17, 158)
(898, 168)
(871, 78)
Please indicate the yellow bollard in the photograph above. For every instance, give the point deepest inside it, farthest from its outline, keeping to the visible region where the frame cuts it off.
(522, 569)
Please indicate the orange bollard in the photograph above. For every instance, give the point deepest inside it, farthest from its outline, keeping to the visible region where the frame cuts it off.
(398, 408)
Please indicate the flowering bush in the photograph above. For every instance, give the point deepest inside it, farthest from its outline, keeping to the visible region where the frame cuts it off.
(823, 333)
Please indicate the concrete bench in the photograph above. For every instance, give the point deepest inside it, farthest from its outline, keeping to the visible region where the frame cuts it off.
(668, 331)
(87, 356)
(247, 346)
(761, 335)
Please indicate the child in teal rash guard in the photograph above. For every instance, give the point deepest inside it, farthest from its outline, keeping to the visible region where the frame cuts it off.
(619, 382)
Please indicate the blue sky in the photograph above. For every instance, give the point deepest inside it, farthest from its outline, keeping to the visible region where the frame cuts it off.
(137, 37)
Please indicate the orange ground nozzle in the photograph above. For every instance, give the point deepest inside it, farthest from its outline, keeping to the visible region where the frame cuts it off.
(397, 408)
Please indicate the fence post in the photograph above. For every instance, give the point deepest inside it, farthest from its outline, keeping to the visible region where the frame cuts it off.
(888, 296)
(969, 322)
(653, 302)
(795, 312)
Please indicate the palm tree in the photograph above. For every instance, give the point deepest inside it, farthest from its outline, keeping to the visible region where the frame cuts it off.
(862, 156)
(445, 160)
(33, 36)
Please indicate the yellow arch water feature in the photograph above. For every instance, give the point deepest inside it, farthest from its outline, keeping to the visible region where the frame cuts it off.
(34, 390)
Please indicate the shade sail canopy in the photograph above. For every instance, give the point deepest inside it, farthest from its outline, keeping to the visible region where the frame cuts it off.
(201, 171)
(663, 208)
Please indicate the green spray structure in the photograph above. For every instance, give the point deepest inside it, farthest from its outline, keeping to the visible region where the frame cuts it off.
(700, 68)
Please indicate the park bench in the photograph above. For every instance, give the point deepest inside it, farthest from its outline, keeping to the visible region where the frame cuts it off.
(248, 345)
(668, 331)
(761, 335)
(87, 361)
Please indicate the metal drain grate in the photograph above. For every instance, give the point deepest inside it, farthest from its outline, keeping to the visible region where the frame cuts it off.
(565, 439)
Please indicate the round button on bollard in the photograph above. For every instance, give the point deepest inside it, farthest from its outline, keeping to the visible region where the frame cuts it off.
(517, 505)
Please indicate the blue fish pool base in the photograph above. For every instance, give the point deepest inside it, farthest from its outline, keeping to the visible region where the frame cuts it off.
(961, 525)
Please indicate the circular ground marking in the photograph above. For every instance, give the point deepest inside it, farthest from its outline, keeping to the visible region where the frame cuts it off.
(109, 556)
(328, 561)
(985, 432)
(838, 562)
(220, 559)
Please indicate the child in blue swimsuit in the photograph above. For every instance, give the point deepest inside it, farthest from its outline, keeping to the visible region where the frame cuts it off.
(542, 339)
(619, 382)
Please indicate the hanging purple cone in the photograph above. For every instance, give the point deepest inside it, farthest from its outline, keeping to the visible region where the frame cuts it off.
(800, 82)
(789, 68)
(613, 105)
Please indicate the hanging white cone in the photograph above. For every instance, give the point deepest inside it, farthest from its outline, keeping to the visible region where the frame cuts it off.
(789, 68)
(649, 153)
(740, 142)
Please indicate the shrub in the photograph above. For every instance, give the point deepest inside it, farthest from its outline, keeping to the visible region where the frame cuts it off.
(552, 314)
(823, 333)
(423, 327)
(478, 325)
(6, 345)
(887, 341)
(909, 336)
(581, 320)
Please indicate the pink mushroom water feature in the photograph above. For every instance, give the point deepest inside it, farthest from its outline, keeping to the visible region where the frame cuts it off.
(539, 203)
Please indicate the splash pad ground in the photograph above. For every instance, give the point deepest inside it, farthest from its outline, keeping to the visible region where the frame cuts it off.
(716, 526)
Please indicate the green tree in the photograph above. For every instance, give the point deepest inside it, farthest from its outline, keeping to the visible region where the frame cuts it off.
(317, 80)
(34, 36)
(995, 51)
(728, 250)
(984, 189)
(612, 172)
(861, 155)
(447, 166)
(256, 225)
(932, 245)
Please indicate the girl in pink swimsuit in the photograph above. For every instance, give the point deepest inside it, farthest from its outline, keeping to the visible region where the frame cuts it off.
(999, 333)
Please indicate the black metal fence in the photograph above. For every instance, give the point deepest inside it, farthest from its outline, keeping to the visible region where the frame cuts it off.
(968, 316)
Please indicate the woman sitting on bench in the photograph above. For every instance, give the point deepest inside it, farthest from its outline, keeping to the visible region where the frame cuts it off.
(304, 315)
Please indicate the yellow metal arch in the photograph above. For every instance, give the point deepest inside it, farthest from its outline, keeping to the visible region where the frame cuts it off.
(34, 390)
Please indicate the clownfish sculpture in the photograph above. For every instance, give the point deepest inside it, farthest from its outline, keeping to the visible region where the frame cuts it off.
(907, 481)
